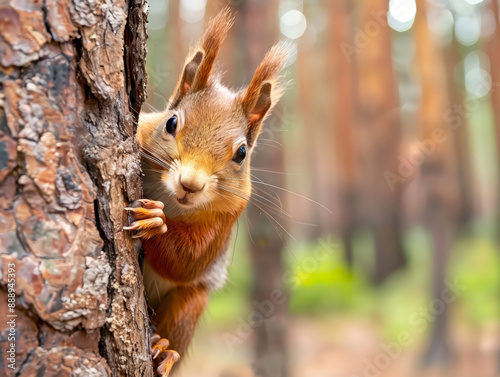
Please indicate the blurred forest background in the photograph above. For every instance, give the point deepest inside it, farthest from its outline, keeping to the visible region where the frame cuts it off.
(371, 247)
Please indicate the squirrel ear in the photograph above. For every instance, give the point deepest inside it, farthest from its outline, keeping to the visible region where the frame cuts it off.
(257, 113)
(186, 80)
(265, 89)
(197, 70)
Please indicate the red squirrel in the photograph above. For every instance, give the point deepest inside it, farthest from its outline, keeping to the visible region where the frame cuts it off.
(196, 166)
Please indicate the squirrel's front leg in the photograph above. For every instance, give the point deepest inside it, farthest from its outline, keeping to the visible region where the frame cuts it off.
(177, 313)
(148, 220)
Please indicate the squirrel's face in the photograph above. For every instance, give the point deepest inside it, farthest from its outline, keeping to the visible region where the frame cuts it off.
(199, 154)
(196, 153)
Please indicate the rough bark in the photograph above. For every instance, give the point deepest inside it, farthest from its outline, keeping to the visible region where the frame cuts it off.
(72, 81)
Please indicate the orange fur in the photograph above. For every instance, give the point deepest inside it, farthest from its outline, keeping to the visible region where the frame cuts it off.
(197, 70)
(187, 249)
(211, 44)
(213, 123)
(179, 315)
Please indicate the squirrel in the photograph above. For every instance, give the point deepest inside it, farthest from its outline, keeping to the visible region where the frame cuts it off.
(195, 157)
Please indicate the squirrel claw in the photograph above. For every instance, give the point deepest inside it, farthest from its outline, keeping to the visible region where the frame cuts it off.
(147, 218)
(168, 362)
(150, 204)
(163, 358)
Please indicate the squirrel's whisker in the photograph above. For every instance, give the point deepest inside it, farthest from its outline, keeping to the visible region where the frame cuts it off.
(270, 171)
(270, 141)
(265, 212)
(279, 209)
(262, 189)
(156, 160)
(156, 155)
(285, 190)
(276, 206)
(161, 146)
(152, 157)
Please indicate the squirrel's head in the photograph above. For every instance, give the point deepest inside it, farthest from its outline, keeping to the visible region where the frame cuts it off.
(196, 153)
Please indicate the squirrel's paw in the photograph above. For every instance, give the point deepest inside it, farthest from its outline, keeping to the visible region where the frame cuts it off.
(163, 358)
(147, 217)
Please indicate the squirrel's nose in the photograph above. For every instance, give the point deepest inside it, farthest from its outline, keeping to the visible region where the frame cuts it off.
(191, 186)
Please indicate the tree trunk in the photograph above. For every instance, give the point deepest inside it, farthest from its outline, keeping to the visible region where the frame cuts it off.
(267, 245)
(461, 147)
(310, 212)
(439, 178)
(72, 79)
(343, 119)
(493, 49)
(379, 137)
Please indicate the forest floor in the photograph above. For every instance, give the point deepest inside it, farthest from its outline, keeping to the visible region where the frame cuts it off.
(348, 347)
(341, 326)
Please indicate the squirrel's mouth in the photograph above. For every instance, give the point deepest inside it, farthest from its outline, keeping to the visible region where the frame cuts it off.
(184, 200)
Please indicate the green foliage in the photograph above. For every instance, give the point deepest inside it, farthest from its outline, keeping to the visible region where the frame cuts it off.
(476, 264)
(320, 283)
(323, 283)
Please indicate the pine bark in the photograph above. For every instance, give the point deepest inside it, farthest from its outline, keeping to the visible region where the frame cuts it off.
(72, 79)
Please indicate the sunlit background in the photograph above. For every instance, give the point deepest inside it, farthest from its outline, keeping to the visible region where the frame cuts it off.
(371, 246)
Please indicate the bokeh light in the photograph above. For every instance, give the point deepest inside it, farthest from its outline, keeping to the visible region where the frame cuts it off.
(440, 21)
(467, 29)
(293, 24)
(488, 23)
(477, 78)
(192, 11)
(158, 18)
(401, 14)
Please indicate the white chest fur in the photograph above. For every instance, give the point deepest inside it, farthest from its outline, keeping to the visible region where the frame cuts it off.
(213, 278)
(156, 286)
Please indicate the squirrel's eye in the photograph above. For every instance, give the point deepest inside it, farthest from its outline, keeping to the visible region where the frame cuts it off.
(171, 125)
(240, 154)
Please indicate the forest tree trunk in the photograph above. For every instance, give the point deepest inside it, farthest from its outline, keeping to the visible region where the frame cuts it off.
(493, 49)
(343, 119)
(461, 147)
(379, 137)
(439, 185)
(266, 249)
(72, 79)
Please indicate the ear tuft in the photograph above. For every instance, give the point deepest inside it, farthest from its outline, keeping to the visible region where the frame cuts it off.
(199, 64)
(265, 89)
(211, 44)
